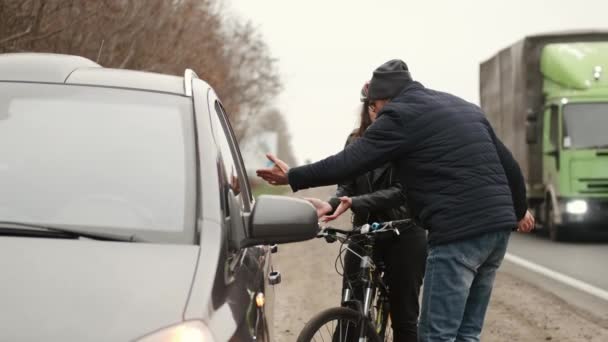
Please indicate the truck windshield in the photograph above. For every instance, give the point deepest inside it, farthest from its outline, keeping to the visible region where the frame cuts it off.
(98, 159)
(585, 125)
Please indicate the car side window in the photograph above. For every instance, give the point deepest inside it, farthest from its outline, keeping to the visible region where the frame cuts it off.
(233, 170)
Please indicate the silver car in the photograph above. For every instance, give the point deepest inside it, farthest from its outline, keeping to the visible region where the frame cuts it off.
(125, 210)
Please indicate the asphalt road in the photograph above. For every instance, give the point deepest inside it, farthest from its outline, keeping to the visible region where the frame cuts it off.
(585, 261)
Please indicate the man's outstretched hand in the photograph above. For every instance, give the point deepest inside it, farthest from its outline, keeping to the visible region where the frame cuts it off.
(276, 175)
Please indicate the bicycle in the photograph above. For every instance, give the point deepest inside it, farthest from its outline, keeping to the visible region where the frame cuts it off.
(367, 320)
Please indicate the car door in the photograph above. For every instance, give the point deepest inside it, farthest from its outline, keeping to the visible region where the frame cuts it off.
(245, 269)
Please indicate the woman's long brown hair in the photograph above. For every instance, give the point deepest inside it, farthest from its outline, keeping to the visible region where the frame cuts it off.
(365, 121)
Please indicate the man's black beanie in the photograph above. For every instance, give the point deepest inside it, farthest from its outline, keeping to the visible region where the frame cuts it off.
(389, 79)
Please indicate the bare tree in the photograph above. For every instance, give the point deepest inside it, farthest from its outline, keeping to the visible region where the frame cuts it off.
(254, 78)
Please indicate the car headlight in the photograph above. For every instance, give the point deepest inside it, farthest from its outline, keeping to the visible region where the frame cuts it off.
(577, 207)
(190, 331)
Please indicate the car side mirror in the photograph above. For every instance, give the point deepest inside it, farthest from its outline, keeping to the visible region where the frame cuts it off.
(280, 219)
(531, 116)
(555, 153)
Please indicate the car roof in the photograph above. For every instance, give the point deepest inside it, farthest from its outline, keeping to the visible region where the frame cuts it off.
(69, 69)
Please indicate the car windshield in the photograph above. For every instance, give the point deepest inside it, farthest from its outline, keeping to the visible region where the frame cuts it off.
(585, 125)
(96, 158)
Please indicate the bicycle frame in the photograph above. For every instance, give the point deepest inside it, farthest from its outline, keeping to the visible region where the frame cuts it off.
(371, 276)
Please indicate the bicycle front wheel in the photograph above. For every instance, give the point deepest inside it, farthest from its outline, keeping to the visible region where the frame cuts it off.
(338, 325)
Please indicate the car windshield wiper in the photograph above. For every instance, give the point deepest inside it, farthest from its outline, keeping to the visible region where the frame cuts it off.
(35, 229)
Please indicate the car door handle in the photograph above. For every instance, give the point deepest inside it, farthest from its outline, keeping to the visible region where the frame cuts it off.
(274, 278)
(274, 248)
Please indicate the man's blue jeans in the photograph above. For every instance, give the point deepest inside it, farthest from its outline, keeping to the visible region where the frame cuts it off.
(457, 287)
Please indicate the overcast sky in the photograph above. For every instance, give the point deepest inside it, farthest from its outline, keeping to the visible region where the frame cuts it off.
(328, 48)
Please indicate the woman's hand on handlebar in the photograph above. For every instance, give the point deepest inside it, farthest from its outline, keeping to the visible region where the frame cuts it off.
(323, 208)
(345, 204)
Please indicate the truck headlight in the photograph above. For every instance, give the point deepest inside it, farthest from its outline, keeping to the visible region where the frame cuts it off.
(577, 207)
(190, 331)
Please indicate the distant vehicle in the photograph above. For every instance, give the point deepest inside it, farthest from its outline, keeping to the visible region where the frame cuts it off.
(547, 98)
(125, 210)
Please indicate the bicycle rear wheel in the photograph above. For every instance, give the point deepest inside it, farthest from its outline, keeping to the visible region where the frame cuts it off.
(337, 325)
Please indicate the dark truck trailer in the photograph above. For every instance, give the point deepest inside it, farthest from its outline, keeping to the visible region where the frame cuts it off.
(516, 96)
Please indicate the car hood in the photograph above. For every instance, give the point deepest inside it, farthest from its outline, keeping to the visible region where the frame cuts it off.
(86, 290)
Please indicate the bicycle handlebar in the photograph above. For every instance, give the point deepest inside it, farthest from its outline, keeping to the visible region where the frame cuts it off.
(366, 229)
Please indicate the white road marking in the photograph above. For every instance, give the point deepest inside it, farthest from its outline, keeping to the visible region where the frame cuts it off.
(562, 278)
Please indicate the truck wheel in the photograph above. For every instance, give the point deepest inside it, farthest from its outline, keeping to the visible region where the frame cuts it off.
(556, 231)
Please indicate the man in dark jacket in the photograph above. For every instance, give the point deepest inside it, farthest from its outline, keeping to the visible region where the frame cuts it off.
(463, 185)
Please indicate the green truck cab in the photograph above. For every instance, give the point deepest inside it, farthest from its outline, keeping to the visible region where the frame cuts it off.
(547, 98)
